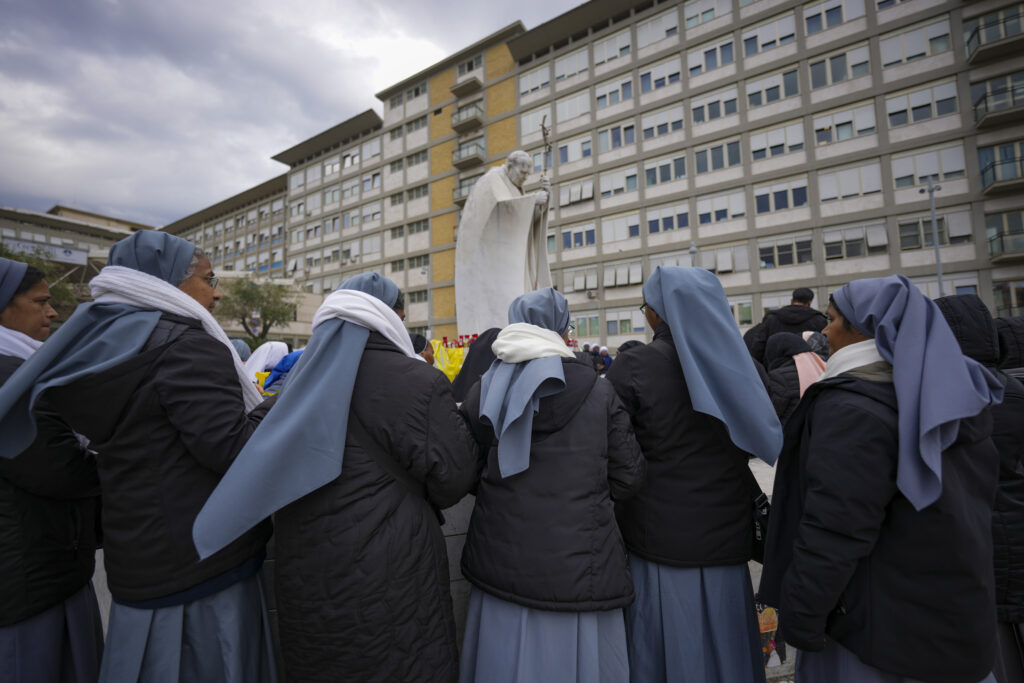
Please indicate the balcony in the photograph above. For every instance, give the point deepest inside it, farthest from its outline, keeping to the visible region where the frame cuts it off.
(995, 36)
(1000, 177)
(468, 118)
(1000, 107)
(1006, 247)
(468, 155)
(461, 194)
(467, 85)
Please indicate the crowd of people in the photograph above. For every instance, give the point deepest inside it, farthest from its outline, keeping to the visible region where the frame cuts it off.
(615, 509)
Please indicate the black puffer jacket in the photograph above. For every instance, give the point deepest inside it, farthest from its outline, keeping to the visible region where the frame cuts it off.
(167, 425)
(547, 538)
(783, 377)
(1011, 345)
(361, 573)
(49, 511)
(850, 559)
(695, 506)
(974, 328)
(792, 318)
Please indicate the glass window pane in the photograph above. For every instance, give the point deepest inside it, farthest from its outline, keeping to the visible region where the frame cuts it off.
(819, 76)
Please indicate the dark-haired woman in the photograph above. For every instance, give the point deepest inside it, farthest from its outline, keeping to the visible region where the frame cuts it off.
(49, 619)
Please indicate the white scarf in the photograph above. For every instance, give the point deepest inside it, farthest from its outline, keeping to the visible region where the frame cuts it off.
(120, 285)
(520, 342)
(17, 344)
(368, 311)
(851, 357)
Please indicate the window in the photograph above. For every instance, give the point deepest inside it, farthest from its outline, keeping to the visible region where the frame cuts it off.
(1001, 162)
(397, 165)
(718, 155)
(618, 228)
(531, 120)
(660, 75)
(397, 232)
(886, 4)
(312, 230)
(470, 65)
(613, 92)
(416, 124)
(616, 136)
(418, 226)
(417, 158)
(770, 35)
(330, 225)
(579, 280)
(415, 91)
(396, 133)
(612, 47)
(296, 180)
(920, 105)
(419, 261)
(917, 43)
(720, 207)
(541, 160)
(844, 125)
(787, 250)
(298, 235)
(667, 218)
(297, 209)
(726, 259)
(277, 206)
(788, 194)
(371, 212)
(417, 297)
(626, 321)
(777, 141)
(371, 246)
(397, 198)
(371, 181)
(571, 64)
(371, 148)
(618, 181)
(825, 15)
(332, 165)
(570, 151)
(534, 80)
(671, 259)
(839, 67)
(350, 218)
(700, 11)
(662, 122)
(995, 94)
(578, 236)
(992, 27)
(572, 193)
(350, 158)
(572, 106)
(709, 57)
(350, 188)
(332, 194)
(850, 182)
(395, 101)
(1005, 232)
(916, 231)
(937, 164)
(742, 309)
(772, 88)
(713, 106)
(417, 192)
(855, 241)
(657, 28)
(397, 266)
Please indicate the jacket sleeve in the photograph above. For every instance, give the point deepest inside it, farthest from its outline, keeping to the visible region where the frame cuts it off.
(1008, 429)
(626, 464)
(198, 388)
(849, 479)
(55, 465)
(755, 339)
(621, 376)
(451, 450)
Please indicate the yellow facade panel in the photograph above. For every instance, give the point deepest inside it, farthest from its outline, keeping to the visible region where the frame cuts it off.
(440, 86)
(442, 229)
(499, 61)
(447, 330)
(441, 124)
(444, 303)
(501, 98)
(501, 137)
(441, 193)
(441, 157)
(443, 267)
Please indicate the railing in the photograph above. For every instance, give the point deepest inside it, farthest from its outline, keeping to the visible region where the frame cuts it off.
(472, 150)
(1004, 98)
(1009, 311)
(473, 111)
(1004, 169)
(1006, 244)
(461, 193)
(990, 33)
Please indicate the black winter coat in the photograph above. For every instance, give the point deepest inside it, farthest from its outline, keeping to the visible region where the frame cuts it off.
(784, 389)
(546, 538)
(166, 425)
(850, 559)
(361, 571)
(49, 511)
(696, 504)
(792, 318)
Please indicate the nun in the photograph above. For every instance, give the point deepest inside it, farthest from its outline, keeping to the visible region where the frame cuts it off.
(700, 410)
(50, 630)
(146, 374)
(879, 554)
(543, 552)
(265, 358)
(364, 445)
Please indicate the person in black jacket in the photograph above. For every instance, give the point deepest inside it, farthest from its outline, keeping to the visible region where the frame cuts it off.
(797, 317)
(976, 332)
(700, 410)
(50, 630)
(1011, 346)
(543, 551)
(791, 367)
(879, 549)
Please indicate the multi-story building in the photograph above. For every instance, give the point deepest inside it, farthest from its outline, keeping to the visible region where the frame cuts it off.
(795, 149)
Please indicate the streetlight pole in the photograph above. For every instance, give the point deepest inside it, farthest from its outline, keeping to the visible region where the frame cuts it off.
(693, 253)
(931, 190)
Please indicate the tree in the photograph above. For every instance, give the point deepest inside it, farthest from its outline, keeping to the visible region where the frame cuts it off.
(259, 304)
(62, 295)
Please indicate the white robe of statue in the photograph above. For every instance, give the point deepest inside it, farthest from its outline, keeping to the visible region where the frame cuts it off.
(500, 253)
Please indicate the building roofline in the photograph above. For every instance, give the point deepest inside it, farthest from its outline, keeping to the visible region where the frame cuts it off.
(60, 222)
(341, 133)
(500, 36)
(53, 210)
(268, 188)
(567, 24)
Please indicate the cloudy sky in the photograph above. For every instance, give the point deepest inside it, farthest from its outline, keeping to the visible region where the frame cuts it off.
(151, 109)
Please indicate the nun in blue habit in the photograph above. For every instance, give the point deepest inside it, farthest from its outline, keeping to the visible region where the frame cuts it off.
(700, 411)
(879, 552)
(543, 552)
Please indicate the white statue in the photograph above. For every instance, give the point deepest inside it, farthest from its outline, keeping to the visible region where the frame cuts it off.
(501, 250)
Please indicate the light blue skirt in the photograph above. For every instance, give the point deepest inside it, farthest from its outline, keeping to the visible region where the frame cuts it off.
(836, 664)
(693, 625)
(509, 643)
(222, 638)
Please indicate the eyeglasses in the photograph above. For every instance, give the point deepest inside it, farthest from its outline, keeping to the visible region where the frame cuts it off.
(643, 307)
(212, 281)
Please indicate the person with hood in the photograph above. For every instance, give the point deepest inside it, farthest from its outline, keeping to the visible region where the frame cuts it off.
(50, 630)
(797, 317)
(364, 444)
(422, 348)
(265, 358)
(792, 368)
(478, 360)
(817, 342)
(149, 377)
(606, 358)
(242, 348)
(975, 331)
(879, 548)
(555, 444)
(700, 410)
